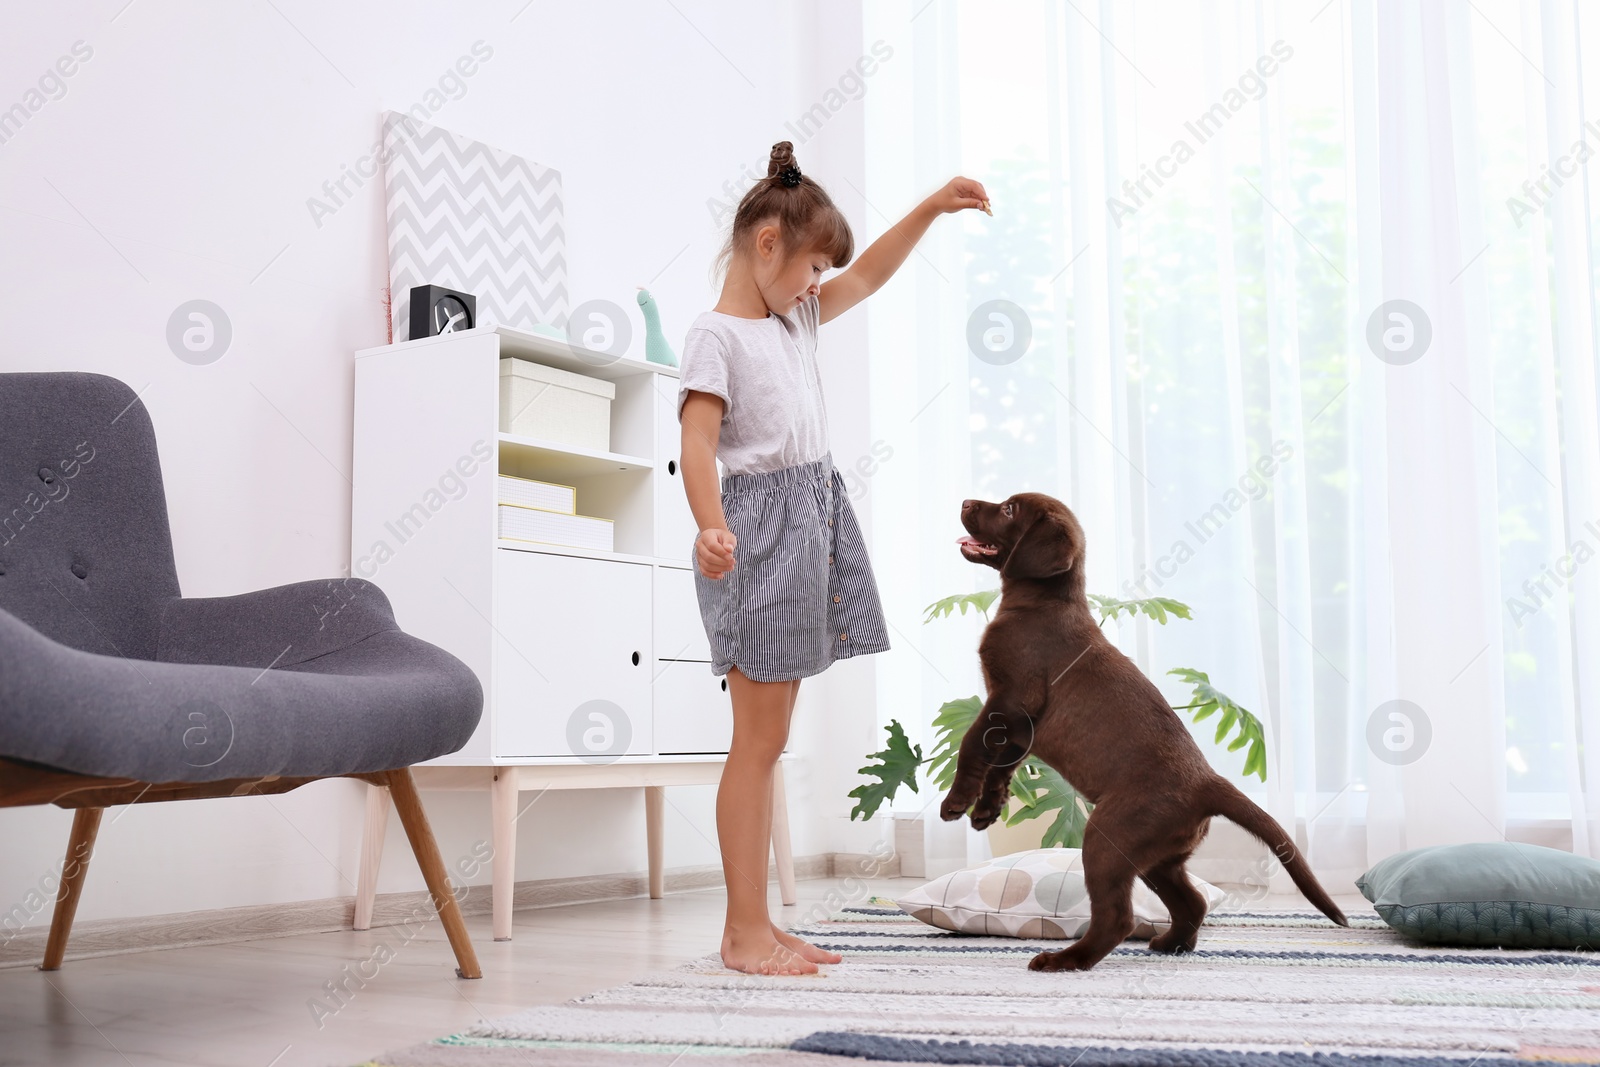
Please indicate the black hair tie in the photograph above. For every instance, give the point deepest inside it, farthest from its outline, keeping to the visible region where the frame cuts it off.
(789, 176)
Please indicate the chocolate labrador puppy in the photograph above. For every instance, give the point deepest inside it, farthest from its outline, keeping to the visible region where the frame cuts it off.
(1059, 688)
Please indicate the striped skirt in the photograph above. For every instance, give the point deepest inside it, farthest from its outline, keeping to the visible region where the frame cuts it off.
(801, 593)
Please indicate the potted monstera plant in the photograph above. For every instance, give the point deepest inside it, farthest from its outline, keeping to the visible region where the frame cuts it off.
(1036, 789)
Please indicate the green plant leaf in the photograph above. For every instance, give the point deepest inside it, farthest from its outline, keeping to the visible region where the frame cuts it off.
(1067, 829)
(1039, 790)
(1207, 700)
(980, 601)
(1156, 607)
(950, 726)
(1256, 761)
(1022, 787)
(897, 765)
(1229, 717)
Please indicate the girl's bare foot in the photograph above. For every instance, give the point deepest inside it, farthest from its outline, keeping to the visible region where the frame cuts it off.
(804, 947)
(761, 953)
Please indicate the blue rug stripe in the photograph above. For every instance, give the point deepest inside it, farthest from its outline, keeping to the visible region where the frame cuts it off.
(925, 934)
(1220, 918)
(909, 1050)
(1014, 947)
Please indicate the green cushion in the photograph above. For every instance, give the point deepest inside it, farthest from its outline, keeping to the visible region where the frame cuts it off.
(1493, 893)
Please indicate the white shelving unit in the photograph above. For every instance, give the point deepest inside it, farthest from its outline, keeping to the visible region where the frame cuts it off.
(547, 628)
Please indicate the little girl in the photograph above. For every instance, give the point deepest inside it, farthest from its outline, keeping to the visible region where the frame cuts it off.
(782, 576)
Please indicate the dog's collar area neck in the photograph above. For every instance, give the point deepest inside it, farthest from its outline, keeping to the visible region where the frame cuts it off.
(1067, 586)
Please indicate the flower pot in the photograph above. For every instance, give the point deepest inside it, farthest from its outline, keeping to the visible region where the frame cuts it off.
(1028, 834)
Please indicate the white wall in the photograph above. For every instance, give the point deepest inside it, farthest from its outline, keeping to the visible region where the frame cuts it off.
(177, 164)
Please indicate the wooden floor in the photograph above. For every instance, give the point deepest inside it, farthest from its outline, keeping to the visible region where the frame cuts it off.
(246, 1004)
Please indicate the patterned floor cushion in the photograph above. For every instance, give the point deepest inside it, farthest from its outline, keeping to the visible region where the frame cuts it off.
(1033, 894)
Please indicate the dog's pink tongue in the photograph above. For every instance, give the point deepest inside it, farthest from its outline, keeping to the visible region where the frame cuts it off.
(981, 547)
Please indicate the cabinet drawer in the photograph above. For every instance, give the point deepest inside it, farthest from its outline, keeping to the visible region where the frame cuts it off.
(692, 710)
(573, 656)
(675, 526)
(680, 633)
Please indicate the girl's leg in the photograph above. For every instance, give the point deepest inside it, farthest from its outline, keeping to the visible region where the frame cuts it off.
(786, 939)
(761, 712)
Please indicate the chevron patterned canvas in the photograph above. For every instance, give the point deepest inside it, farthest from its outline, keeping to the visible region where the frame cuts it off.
(471, 217)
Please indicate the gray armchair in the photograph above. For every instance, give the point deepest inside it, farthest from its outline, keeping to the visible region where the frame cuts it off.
(116, 689)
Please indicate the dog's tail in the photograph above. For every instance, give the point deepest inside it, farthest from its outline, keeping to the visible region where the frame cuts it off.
(1226, 800)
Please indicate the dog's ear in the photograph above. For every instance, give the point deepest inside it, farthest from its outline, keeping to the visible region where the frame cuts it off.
(1044, 550)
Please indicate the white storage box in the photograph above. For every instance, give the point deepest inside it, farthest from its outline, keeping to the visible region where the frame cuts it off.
(532, 493)
(555, 405)
(554, 528)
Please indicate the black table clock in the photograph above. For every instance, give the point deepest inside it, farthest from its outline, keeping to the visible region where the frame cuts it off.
(436, 310)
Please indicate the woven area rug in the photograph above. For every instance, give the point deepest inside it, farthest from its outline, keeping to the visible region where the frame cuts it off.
(1280, 989)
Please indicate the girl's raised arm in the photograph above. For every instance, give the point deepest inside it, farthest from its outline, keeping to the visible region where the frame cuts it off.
(878, 263)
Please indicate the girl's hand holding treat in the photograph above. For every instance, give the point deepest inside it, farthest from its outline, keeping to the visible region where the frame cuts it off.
(961, 193)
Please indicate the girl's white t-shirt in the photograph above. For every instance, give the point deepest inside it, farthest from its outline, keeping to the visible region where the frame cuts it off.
(765, 371)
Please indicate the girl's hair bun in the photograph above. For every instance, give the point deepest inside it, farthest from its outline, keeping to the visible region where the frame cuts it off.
(782, 156)
(782, 167)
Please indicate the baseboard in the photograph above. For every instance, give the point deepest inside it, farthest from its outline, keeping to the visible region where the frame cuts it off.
(109, 937)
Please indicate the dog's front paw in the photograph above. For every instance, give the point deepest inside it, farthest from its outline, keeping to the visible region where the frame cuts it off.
(954, 806)
(985, 812)
(990, 806)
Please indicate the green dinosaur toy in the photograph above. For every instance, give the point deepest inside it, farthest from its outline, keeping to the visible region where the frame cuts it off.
(656, 349)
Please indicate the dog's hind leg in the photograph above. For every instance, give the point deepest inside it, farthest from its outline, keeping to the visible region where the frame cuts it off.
(1184, 903)
(1109, 856)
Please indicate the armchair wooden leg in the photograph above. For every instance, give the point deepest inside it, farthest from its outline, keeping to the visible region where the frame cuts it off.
(403, 791)
(85, 825)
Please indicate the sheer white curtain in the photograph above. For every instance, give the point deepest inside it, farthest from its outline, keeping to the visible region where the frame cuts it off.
(1309, 289)
(920, 396)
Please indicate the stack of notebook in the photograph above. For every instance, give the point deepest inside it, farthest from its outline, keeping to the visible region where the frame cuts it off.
(548, 514)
